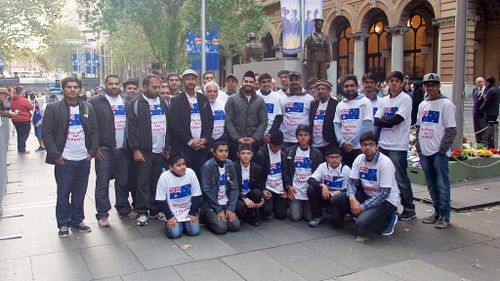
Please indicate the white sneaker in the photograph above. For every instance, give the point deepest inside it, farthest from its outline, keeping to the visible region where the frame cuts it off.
(103, 222)
(142, 220)
(162, 217)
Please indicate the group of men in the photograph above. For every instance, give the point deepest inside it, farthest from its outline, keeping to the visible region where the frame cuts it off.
(246, 152)
(486, 98)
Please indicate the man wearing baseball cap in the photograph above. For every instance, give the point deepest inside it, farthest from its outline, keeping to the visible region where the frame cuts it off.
(436, 130)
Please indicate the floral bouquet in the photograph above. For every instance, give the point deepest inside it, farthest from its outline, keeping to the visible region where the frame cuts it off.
(459, 154)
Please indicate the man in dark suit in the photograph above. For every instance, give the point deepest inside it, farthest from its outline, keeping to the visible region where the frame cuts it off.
(321, 117)
(479, 118)
(191, 123)
(490, 108)
(250, 181)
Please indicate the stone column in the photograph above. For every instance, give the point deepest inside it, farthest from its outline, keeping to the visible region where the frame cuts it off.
(397, 48)
(359, 53)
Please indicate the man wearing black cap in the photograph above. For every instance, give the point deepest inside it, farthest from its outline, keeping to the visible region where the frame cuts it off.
(251, 183)
(392, 122)
(246, 116)
(317, 51)
(321, 117)
(272, 160)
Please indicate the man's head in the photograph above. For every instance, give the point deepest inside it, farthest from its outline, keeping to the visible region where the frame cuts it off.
(256, 85)
(211, 90)
(248, 82)
(295, 82)
(164, 91)
(265, 82)
(284, 79)
(174, 83)
(480, 82)
(71, 87)
(19, 90)
(245, 153)
(369, 144)
(189, 80)
(432, 84)
(112, 85)
(303, 134)
(324, 89)
(318, 24)
(151, 85)
(231, 83)
(220, 150)
(333, 157)
(490, 81)
(131, 88)
(394, 81)
(208, 76)
(350, 86)
(276, 141)
(273, 81)
(369, 84)
(311, 87)
(4, 92)
(177, 163)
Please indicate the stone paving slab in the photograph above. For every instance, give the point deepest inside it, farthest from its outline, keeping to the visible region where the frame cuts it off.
(208, 270)
(417, 270)
(50, 267)
(369, 275)
(157, 252)
(16, 269)
(163, 274)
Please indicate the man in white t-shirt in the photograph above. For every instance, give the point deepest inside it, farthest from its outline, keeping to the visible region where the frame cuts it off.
(369, 82)
(392, 122)
(112, 158)
(272, 99)
(71, 136)
(178, 194)
(436, 131)
(284, 82)
(218, 105)
(372, 192)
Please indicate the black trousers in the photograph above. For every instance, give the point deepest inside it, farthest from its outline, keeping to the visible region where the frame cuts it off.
(148, 173)
(241, 208)
(317, 201)
(132, 177)
(348, 157)
(480, 124)
(277, 205)
(195, 158)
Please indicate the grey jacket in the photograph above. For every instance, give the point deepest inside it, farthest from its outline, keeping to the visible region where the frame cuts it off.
(210, 186)
(246, 118)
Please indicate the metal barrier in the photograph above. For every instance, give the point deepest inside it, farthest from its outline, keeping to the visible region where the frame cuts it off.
(4, 143)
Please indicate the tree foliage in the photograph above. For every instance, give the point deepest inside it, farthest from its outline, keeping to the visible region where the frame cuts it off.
(120, 40)
(58, 53)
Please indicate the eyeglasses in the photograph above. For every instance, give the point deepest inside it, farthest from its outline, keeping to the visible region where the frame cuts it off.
(368, 145)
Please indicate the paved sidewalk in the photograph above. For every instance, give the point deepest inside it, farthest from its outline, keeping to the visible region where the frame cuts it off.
(277, 250)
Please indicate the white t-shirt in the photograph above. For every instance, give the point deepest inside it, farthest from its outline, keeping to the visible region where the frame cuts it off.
(274, 181)
(245, 179)
(375, 104)
(352, 113)
(334, 178)
(303, 170)
(195, 124)
(75, 149)
(222, 195)
(158, 124)
(219, 118)
(272, 101)
(319, 119)
(178, 192)
(434, 116)
(373, 175)
(295, 112)
(120, 116)
(395, 138)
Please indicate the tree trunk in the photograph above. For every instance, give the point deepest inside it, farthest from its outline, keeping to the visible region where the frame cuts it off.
(229, 64)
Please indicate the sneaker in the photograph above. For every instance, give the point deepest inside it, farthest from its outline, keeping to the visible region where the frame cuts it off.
(130, 215)
(64, 232)
(432, 219)
(40, 149)
(82, 227)
(153, 216)
(407, 215)
(142, 220)
(389, 228)
(442, 223)
(103, 222)
(315, 221)
(161, 217)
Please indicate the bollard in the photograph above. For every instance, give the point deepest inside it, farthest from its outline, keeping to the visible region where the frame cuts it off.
(4, 142)
(495, 134)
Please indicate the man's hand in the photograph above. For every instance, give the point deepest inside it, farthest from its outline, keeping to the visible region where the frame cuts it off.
(99, 156)
(195, 144)
(222, 216)
(284, 195)
(171, 223)
(347, 146)
(291, 193)
(60, 161)
(165, 153)
(240, 140)
(138, 157)
(335, 193)
(261, 203)
(324, 191)
(250, 140)
(193, 219)
(231, 216)
(89, 157)
(356, 208)
(266, 194)
(249, 203)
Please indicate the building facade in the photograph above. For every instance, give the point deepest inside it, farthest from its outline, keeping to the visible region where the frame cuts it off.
(413, 36)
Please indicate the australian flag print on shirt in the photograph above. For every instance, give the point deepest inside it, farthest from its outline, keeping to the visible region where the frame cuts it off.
(180, 191)
(302, 162)
(270, 107)
(275, 168)
(156, 109)
(368, 174)
(75, 120)
(294, 107)
(333, 182)
(349, 114)
(195, 108)
(223, 180)
(218, 115)
(375, 110)
(245, 187)
(430, 116)
(390, 111)
(320, 115)
(118, 109)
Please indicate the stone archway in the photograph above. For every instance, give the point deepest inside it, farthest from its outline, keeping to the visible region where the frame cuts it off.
(342, 46)
(374, 30)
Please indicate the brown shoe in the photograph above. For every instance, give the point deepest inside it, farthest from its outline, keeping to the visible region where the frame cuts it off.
(442, 223)
(432, 219)
(24, 152)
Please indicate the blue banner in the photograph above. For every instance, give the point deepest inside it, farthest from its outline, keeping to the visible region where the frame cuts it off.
(290, 15)
(313, 10)
(75, 64)
(1, 65)
(193, 47)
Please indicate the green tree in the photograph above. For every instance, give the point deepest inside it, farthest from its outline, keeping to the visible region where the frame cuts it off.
(58, 51)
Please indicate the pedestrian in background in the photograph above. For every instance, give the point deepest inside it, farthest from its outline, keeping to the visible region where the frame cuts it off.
(22, 120)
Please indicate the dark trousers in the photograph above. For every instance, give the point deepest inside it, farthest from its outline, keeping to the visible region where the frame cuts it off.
(400, 162)
(72, 180)
(148, 173)
(373, 219)
(115, 164)
(23, 132)
(218, 226)
(195, 158)
(490, 132)
(348, 157)
(438, 183)
(132, 177)
(277, 205)
(241, 208)
(480, 124)
(317, 201)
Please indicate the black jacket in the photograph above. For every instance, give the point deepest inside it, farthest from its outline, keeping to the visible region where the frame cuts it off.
(262, 158)
(256, 177)
(55, 127)
(491, 101)
(328, 128)
(180, 121)
(105, 120)
(289, 169)
(139, 124)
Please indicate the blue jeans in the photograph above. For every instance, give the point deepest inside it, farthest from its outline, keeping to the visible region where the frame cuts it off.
(72, 179)
(400, 162)
(115, 164)
(23, 132)
(436, 173)
(191, 229)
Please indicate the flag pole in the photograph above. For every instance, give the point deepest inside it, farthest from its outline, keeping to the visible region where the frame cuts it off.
(203, 35)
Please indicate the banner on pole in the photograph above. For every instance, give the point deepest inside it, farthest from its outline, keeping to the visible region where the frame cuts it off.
(313, 10)
(290, 16)
(75, 64)
(193, 48)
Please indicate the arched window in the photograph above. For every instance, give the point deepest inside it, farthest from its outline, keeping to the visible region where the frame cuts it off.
(377, 42)
(414, 61)
(345, 52)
